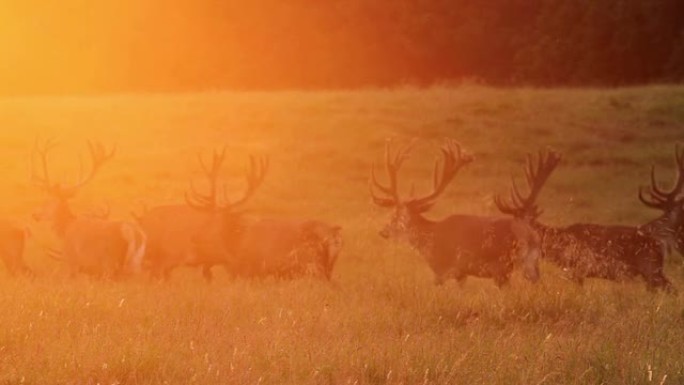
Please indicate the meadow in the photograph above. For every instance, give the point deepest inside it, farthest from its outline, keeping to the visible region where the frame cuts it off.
(381, 320)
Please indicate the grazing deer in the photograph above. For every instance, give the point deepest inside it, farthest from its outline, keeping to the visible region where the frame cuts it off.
(464, 245)
(616, 252)
(12, 242)
(258, 247)
(668, 228)
(173, 230)
(90, 245)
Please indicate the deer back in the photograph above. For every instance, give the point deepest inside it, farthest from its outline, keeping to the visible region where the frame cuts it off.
(283, 246)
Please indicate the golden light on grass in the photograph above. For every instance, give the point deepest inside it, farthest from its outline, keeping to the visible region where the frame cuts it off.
(382, 321)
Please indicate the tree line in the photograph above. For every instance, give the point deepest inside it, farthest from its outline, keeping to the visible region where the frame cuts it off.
(270, 44)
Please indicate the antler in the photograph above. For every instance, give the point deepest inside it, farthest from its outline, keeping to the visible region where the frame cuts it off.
(98, 154)
(454, 159)
(207, 201)
(536, 176)
(43, 182)
(392, 166)
(254, 178)
(212, 201)
(661, 199)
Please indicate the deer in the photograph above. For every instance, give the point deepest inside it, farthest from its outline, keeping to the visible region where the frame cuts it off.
(463, 245)
(12, 244)
(173, 230)
(91, 245)
(618, 252)
(282, 247)
(668, 228)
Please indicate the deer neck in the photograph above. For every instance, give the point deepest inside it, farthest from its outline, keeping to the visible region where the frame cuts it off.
(421, 232)
(540, 228)
(546, 233)
(664, 228)
(63, 217)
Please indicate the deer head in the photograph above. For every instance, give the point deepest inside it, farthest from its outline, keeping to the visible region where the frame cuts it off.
(57, 209)
(524, 210)
(536, 174)
(408, 212)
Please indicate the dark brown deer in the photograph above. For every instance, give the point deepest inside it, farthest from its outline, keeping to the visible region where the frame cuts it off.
(605, 251)
(174, 230)
(619, 252)
(258, 247)
(668, 228)
(90, 245)
(464, 245)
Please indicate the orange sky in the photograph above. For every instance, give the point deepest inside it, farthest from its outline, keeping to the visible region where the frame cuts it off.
(79, 44)
(123, 45)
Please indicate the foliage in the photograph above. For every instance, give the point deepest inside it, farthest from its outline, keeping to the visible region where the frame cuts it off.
(154, 45)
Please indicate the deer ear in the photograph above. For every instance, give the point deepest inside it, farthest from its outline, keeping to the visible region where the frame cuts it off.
(384, 202)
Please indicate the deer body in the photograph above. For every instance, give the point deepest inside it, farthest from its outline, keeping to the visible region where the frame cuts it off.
(209, 230)
(618, 252)
(609, 252)
(172, 231)
(282, 247)
(468, 245)
(85, 251)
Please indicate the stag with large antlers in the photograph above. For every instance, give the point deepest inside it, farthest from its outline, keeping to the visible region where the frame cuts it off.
(210, 229)
(90, 245)
(668, 228)
(465, 245)
(618, 252)
(262, 246)
(173, 230)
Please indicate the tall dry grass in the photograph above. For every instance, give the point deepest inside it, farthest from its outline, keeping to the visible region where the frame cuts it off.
(381, 321)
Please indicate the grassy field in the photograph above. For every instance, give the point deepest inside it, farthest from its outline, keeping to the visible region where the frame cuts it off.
(381, 321)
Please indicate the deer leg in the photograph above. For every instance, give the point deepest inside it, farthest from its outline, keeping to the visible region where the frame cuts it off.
(659, 281)
(461, 280)
(502, 280)
(166, 274)
(12, 256)
(206, 273)
(439, 280)
(155, 272)
(9, 266)
(20, 265)
(574, 275)
(73, 272)
(578, 280)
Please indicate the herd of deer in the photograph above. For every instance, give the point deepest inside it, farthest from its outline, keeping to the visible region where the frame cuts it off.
(490, 247)
(209, 229)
